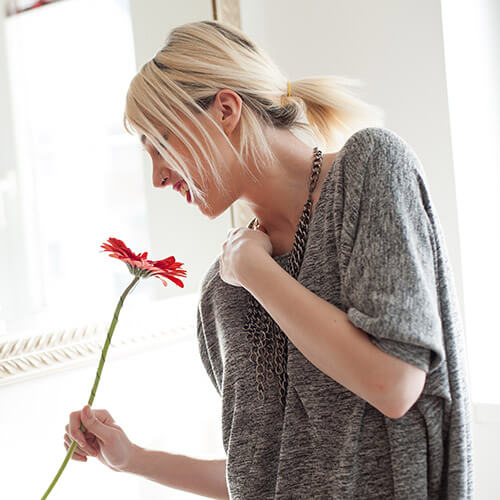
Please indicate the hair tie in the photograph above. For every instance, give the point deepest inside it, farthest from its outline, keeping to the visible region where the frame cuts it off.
(289, 89)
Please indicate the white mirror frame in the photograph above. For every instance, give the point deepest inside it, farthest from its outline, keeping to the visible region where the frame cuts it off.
(24, 357)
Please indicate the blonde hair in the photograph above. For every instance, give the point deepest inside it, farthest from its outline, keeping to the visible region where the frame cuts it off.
(201, 58)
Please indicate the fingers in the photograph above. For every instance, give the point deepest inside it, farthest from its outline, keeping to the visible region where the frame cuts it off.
(78, 453)
(99, 426)
(74, 428)
(86, 449)
(94, 424)
(75, 455)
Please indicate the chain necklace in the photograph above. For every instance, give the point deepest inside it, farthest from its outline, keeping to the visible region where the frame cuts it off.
(269, 351)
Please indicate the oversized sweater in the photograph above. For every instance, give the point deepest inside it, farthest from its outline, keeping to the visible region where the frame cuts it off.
(375, 250)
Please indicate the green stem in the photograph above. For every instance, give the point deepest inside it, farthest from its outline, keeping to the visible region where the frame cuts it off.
(96, 380)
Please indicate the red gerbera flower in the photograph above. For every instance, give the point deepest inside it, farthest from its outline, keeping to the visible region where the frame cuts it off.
(140, 266)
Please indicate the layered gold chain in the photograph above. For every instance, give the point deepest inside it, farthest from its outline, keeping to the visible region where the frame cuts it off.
(269, 350)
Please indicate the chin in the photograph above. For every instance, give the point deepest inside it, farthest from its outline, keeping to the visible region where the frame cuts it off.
(212, 212)
(205, 209)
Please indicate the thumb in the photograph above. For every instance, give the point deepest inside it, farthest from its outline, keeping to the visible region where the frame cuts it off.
(93, 424)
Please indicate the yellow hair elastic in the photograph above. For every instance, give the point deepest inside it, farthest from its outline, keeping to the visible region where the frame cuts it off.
(289, 89)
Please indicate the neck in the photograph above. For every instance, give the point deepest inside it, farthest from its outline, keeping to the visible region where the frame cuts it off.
(278, 198)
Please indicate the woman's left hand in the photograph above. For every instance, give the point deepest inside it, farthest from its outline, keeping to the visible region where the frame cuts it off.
(241, 245)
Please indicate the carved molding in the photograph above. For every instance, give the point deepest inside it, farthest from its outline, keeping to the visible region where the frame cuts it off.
(32, 356)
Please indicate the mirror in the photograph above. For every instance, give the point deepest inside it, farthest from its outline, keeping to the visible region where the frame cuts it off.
(71, 177)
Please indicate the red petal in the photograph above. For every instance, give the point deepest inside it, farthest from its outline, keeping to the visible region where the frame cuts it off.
(167, 268)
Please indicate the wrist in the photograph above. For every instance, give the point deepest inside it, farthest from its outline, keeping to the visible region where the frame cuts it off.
(252, 267)
(136, 458)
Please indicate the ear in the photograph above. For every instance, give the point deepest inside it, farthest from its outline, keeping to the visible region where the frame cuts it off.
(227, 109)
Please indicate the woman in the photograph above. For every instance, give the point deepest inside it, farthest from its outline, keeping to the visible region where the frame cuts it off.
(331, 333)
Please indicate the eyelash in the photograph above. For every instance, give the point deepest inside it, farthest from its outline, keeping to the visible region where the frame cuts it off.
(166, 138)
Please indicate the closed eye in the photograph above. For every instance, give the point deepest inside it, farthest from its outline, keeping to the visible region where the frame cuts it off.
(143, 139)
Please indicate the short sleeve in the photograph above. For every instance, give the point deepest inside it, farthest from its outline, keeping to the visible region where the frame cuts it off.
(203, 350)
(389, 282)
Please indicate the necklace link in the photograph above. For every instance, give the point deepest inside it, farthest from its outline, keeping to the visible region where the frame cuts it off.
(269, 349)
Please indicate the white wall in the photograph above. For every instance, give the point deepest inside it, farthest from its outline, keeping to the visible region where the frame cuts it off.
(473, 73)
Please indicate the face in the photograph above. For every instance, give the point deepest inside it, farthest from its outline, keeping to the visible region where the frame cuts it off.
(224, 110)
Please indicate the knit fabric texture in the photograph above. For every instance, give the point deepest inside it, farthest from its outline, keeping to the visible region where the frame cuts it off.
(375, 249)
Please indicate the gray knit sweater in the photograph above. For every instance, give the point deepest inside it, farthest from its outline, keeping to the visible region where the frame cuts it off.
(375, 249)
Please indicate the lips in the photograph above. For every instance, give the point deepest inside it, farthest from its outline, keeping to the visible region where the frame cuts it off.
(177, 185)
(182, 187)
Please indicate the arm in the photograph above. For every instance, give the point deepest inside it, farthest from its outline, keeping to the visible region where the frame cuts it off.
(202, 477)
(324, 335)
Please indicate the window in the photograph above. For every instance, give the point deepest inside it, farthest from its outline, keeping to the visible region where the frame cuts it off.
(473, 70)
(79, 174)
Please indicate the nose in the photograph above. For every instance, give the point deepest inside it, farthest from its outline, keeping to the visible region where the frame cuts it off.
(161, 177)
(158, 181)
(164, 179)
